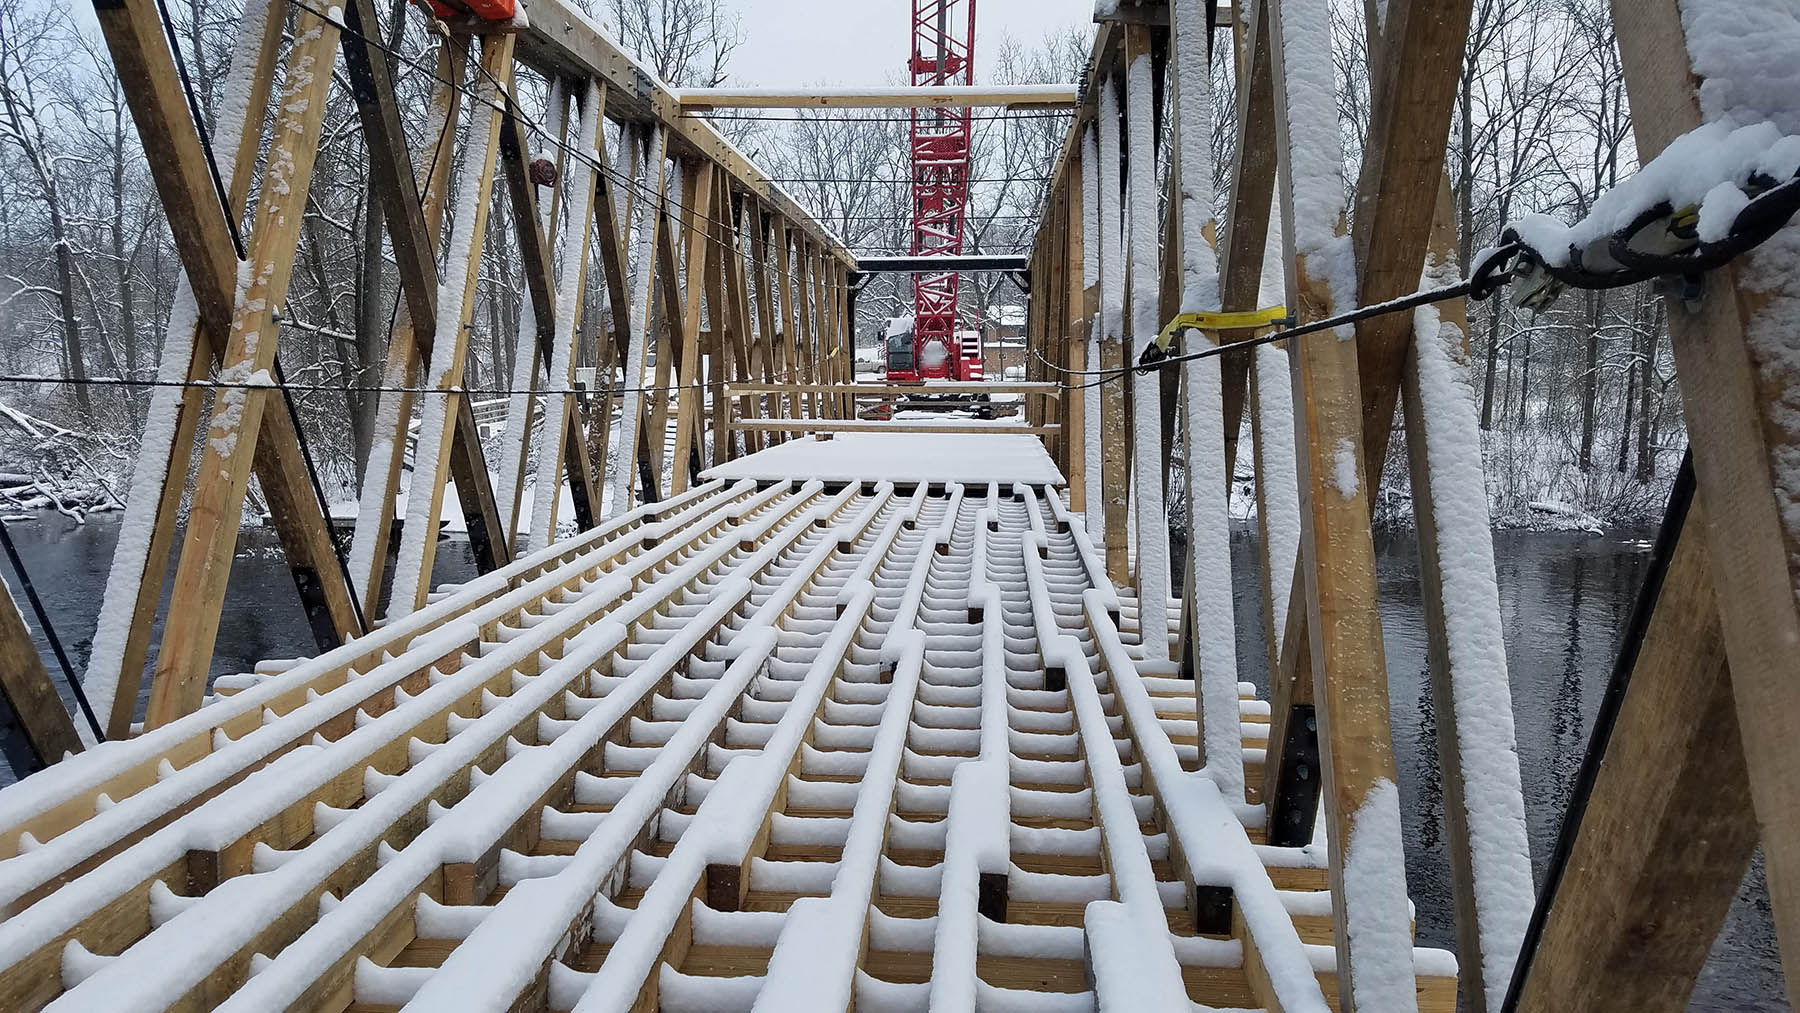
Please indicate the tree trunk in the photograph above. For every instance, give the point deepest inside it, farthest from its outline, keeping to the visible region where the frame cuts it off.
(128, 330)
(75, 367)
(1646, 459)
(1590, 379)
(369, 328)
(1493, 367)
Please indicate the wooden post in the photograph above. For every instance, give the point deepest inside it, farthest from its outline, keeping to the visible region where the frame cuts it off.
(1338, 556)
(456, 306)
(1148, 457)
(185, 659)
(767, 339)
(1073, 340)
(696, 190)
(1113, 430)
(1733, 384)
(788, 314)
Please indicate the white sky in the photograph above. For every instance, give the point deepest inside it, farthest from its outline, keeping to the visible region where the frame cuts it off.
(863, 43)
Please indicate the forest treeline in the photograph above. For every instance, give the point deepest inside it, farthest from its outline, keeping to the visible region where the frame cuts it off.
(1579, 404)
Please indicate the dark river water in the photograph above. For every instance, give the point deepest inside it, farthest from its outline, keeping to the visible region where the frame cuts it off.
(1565, 597)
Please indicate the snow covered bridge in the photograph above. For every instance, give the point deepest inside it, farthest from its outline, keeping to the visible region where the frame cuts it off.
(825, 705)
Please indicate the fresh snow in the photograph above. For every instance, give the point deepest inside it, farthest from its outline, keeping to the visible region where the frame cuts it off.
(1692, 170)
(1152, 525)
(1313, 169)
(1343, 468)
(1493, 799)
(1377, 915)
(901, 458)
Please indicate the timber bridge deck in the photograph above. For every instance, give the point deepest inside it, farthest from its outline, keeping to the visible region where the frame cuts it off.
(820, 711)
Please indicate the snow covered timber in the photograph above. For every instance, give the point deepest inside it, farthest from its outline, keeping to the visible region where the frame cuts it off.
(767, 744)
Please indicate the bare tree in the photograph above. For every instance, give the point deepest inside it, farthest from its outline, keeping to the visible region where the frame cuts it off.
(687, 42)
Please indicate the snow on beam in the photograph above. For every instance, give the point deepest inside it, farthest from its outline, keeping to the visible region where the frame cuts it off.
(1735, 354)
(1373, 926)
(456, 305)
(1016, 96)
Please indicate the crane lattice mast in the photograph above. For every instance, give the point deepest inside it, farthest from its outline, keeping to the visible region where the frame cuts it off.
(943, 52)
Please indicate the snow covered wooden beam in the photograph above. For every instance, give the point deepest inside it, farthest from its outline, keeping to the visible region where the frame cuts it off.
(456, 304)
(1115, 431)
(1686, 64)
(1372, 929)
(249, 356)
(947, 96)
(1415, 69)
(1242, 236)
(25, 682)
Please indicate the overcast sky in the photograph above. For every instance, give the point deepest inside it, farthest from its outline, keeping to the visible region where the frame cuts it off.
(788, 43)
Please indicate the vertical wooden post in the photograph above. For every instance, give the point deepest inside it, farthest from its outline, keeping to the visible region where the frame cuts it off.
(456, 307)
(1148, 459)
(697, 191)
(629, 450)
(768, 335)
(1113, 428)
(1374, 946)
(788, 313)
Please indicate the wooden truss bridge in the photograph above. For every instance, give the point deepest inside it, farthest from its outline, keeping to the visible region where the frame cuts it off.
(815, 711)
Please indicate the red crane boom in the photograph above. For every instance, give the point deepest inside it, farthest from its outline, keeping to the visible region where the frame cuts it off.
(943, 52)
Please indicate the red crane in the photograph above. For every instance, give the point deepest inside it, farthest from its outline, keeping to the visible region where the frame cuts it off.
(943, 52)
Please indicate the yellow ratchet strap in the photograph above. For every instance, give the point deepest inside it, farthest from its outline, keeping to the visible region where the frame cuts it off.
(1220, 322)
